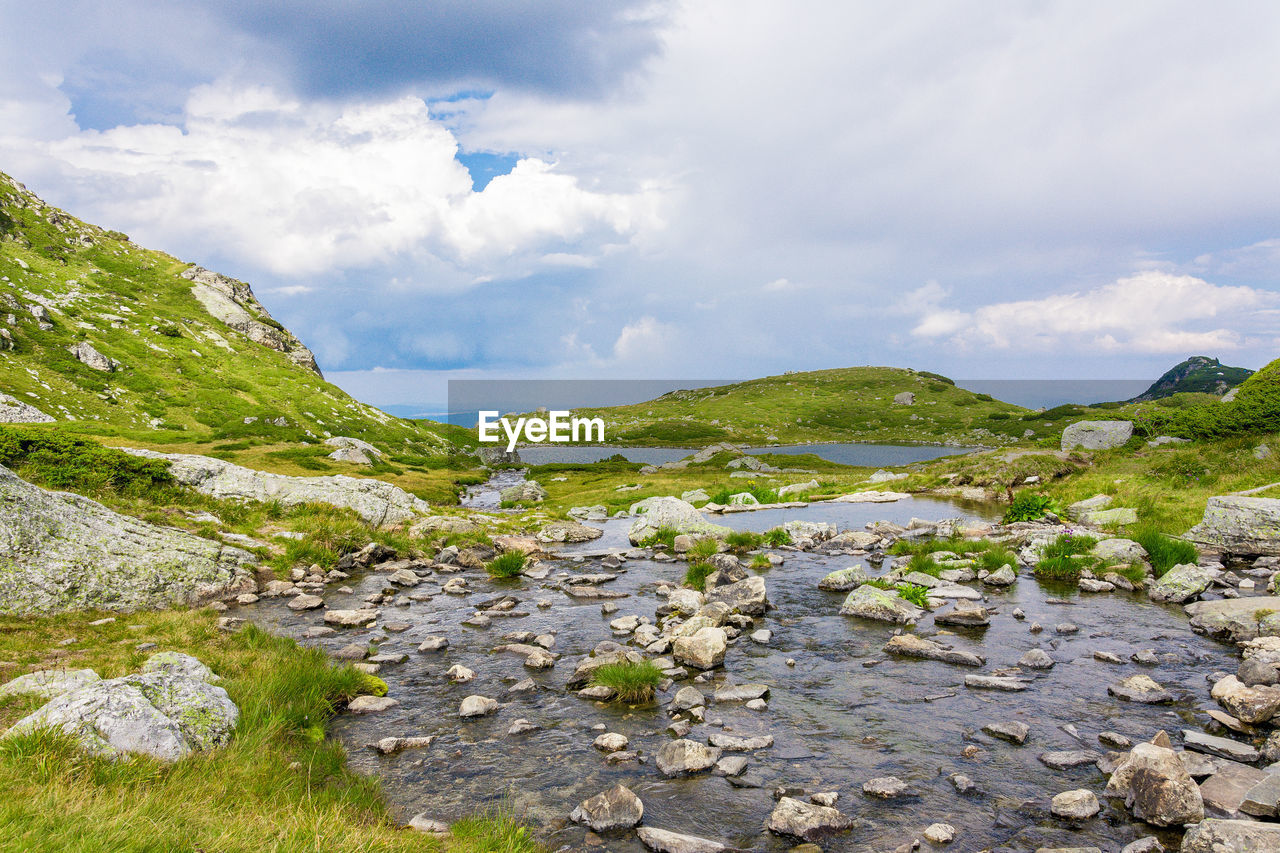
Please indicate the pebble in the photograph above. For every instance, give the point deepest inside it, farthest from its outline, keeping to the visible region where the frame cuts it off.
(940, 833)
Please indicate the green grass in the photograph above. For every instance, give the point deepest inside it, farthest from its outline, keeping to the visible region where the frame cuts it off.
(761, 493)
(924, 564)
(665, 536)
(741, 541)
(1165, 552)
(1133, 572)
(695, 576)
(777, 537)
(994, 557)
(1029, 506)
(759, 563)
(1066, 557)
(633, 682)
(279, 785)
(506, 565)
(917, 595)
(704, 548)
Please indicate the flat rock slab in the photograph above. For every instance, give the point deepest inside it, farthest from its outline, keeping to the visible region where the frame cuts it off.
(1231, 836)
(1220, 746)
(1236, 619)
(1244, 526)
(1013, 731)
(1225, 791)
(909, 645)
(665, 841)
(995, 682)
(741, 692)
(1067, 759)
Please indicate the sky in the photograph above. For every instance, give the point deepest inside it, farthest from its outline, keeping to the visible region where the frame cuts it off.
(487, 189)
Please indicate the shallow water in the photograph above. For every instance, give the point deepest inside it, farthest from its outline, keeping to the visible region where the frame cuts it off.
(837, 719)
(845, 453)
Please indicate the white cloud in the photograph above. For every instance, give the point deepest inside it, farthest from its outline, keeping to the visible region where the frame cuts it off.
(645, 339)
(301, 189)
(1152, 312)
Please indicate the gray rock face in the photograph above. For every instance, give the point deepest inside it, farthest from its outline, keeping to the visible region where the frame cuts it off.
(685, 756)
(909, 645)
(1119, 551)
(1080, 804)
(62, 552)
(1096, 435)
(704, 649)
(529, 491)
(673, 513)
(748, 596)
(1079, 509)
(1231, 836)
(162, 714)
(48, 683)
(568, 531)
(1181, 583)
(90, 357)
(233, 303)
(1003, 576)
(665, 841)
(377, 502)
(868, 602)
(616, 808)
(352, 450)
(1236, 619)
(1156, 787)
(14, 411)
(805, 820)
(844, 580)
(1243, 526)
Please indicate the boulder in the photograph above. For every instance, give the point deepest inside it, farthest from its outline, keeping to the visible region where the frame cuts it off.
(665, 841)
(377, 502)
(1080, 804)
(568, 532)
(1236, 619)
(1182, 583)
(1097, 435)
(909, 645)
(1080, 509)
(61, 552)
(616, 808)
(1231, 836)
(1012, 731)
(530, 491)
(163, 714)
(869, 602)
(477, 706)
(1252, 705)
(676, 757)
(1116, 517)
(672, 513)
(352, 450)
(90, 357)
(1156, 787)
(704, 649)
(843, 580)
(48, 683)
(1240, 525)
(1141, 689)
(1003, 576)
(1114, 551)
(748, 596)
(806, 820)
(807, 534)
(965, 614)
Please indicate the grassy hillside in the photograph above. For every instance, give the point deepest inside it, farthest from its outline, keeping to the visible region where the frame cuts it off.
(1197, 375)
(195, 364)
(848, 404)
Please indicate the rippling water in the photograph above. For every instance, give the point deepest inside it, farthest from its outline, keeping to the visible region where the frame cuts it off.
(843, 714)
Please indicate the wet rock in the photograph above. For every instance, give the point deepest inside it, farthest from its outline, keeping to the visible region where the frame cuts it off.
(392, 745)
(761, 637)
(868, 602)
(963, 784)
(460, 674)
(477, 706)
(1115, 740)
(805, 820)
(966, 615)
(885, 787)
(687, 698)
(1222, 747)
(909, 645)
(1012, 731)
(1182, 583)
(522, 726)
(1263, 799)
(433, 644)
(370, 704)
(748, 596)
(741, 692)
(1251, 705)
(995, 682)
(704, 650)
(350, 618)
(1069, 758)
(844, 580)
(1156, 787)
(611, 742)
(1256, 672)
(729, 743)
(1003, 576)
(352, 651)
(1066, 628)
(685, 756)
(1236, 620)
(616, 808)
(1080, 804)
(730, 765)
(1095, 585)
(940, 833)
(1150, 844)
(1231, 836)
(1225, 791)
(1142, 689)
(665, 841)
(1036, 659)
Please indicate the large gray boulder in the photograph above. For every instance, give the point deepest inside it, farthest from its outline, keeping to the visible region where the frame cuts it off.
(568, 531)
(1243, 526)
(62, 552)
(85, 353)
(747, 596)
(162, 714)
(616, 808)
(14, 411)
(806, 820)
(1182, 583)
(665, 841)
(1231, 836)
(1097, 435)
(868, 602)
(670, 513)
(377, 502)
(1236, 619)
(352, 450)
(1156, 787)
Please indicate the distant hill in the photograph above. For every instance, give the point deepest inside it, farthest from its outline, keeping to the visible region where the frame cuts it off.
(1198, 374)
(847, 404)
(104, 337)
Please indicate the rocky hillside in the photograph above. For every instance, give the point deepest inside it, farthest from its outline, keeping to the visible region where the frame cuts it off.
(883, 404)
(108, 338)
(1198, 374)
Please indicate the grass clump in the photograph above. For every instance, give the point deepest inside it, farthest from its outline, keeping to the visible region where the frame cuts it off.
(506, 565)
(1165, 552)
(695, 577)
(662, 536)
(704, 549)
(924, 564)
(1066, 557)
(994, 557)
(741, 541)
(759, 562)
(917, 595)
(65, 462)
(279, 785)
(633, 682)
(1135, 573)
(760, 493)
(777, 537)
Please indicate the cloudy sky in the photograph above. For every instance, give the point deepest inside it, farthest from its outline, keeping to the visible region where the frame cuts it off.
(482, 188)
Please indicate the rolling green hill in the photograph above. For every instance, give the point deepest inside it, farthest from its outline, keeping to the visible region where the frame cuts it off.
(848, 404)
(1197, 375)
(105, 338)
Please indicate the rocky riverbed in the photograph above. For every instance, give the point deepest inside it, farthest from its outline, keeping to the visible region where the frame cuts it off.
(807, 712)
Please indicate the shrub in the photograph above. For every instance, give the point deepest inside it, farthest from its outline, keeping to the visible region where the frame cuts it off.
(169, 330)
(917, 595)
(1165, 552)
(633, 682)
(76, 464)
(695, 577)
(506, 565)
(1028, 506)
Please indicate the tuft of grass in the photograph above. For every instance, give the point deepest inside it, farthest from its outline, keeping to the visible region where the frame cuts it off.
(662, 536)
(924, 564)
(1066, 557)
(760, 493)
(506, 565)
(994, 557)
(704, 548)
(1135, 573)
(917, 595)
(777, 537)
(695, 577)
(1069, 545)
(759, 562)
(633, 682)
(1165, 552)
(280, 784)
(740, 541)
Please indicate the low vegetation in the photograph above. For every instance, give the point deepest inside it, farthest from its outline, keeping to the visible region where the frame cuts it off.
(1066, 557)
(631, 681)
(1029, 506)
(695, 576)
(506, 565)
(279, 785)
(917, 595)
(1165, 552)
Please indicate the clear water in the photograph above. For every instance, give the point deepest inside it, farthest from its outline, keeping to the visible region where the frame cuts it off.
(843, 714)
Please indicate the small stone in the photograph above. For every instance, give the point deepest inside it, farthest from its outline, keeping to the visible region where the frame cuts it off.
(434, 644)
(940, 833)
(611, 742)
(521, 726)
(1080, 804)
(1013, 731)
(459, 674)
(1036, 659)
(370, 704)
(884, 787)
(617, 808)
(477, 706)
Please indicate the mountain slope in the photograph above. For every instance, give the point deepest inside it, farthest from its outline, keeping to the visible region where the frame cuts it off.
(108, 338)
(847, 404)
(1198, 374)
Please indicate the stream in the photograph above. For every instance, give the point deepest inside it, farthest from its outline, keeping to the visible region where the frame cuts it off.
(844, 713)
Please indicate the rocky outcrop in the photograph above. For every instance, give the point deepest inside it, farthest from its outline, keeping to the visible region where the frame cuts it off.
(1236, 619)
(62, 552)
(377, 502)
(1231, 836)
(670, 513)
(1156, 787)
(166, 714)
(881, 605)
(14, 411)
(1097, 435)
(568, 532)
(85, 353)
(233, 303)
(1242, 526)
(353, 450)
(1182, 583)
